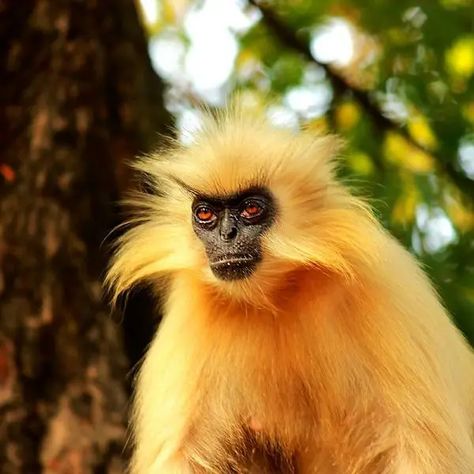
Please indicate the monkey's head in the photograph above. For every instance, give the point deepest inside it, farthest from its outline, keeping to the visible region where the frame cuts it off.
(240, 208)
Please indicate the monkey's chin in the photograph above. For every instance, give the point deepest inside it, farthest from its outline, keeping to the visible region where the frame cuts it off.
(234, 268)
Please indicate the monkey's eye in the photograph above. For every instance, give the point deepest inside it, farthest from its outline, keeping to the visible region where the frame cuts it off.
(251, 210)
(205, 214)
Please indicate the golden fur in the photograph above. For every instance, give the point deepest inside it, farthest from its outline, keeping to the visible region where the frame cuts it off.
(336, 353)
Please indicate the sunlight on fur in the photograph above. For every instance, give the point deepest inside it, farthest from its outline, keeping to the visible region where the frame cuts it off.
(334, 356)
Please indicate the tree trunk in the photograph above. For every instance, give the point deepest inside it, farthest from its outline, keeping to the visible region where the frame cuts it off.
(78, 99)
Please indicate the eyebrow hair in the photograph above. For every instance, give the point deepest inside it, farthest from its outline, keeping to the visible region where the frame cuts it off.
(190, 190)
(235, 196)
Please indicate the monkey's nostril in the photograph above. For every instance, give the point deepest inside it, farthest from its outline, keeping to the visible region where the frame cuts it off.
(229, 234)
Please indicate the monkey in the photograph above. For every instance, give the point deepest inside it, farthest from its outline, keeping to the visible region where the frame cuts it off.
(298, 336)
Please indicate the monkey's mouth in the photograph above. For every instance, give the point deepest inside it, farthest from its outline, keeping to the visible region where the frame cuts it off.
(234, 267)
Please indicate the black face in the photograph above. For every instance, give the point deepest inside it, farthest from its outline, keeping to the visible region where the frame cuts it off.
(231, 229)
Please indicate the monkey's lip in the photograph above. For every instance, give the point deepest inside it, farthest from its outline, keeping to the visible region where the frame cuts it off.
(234, 260)
(234, 267)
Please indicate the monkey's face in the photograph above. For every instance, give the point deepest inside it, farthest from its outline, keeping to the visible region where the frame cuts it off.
(231, 228)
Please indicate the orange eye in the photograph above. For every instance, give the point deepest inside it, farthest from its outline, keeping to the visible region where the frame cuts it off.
(204, 214)
(251, 209)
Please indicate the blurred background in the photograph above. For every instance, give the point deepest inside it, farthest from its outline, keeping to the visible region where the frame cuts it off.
(88, 85)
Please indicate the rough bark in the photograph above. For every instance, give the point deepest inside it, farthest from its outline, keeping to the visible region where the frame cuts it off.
(78, 99)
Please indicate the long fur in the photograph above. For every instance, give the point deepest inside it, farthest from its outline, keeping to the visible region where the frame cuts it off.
(336, 353)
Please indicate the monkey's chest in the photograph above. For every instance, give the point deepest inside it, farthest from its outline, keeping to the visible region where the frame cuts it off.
(256, 404)
(271, 402)
(257, 422)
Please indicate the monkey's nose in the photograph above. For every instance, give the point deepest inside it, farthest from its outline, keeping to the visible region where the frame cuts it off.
(228, 232)
(228, 228)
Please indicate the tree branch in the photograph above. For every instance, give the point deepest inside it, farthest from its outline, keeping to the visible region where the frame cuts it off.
(340, 85)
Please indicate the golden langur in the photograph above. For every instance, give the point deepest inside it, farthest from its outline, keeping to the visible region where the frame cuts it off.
(298, 336)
